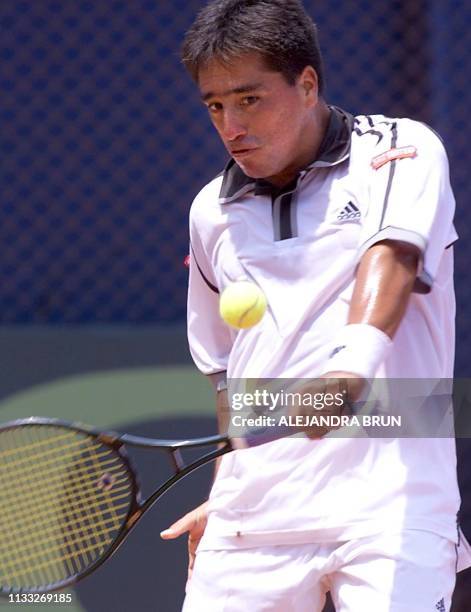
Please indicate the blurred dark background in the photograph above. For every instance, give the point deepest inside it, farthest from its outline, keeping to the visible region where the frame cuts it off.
(104, 143)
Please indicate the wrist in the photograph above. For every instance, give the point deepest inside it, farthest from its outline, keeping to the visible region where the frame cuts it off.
(221, 385)
(360, 349)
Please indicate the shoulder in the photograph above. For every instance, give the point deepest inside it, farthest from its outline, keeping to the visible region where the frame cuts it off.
(380, 130)
(206, 205)
(375, 134)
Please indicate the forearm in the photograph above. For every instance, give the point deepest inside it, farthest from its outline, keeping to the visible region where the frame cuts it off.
(384, 282)
(219, 384)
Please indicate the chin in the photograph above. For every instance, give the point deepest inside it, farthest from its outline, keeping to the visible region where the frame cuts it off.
(252, 172)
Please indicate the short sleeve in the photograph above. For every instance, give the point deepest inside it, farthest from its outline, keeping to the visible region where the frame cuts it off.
(411, 199)
(209, 338)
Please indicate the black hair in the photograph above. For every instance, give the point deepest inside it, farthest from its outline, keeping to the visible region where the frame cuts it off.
(279, 30)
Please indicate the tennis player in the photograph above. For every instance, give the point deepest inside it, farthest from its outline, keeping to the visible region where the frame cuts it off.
(346, 224)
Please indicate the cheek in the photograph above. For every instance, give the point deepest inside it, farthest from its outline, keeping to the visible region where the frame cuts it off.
(286, 128)
(216, 121)
(216, 124)
(286, 138)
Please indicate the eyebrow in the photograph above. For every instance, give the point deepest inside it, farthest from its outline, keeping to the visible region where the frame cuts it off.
(237, 90)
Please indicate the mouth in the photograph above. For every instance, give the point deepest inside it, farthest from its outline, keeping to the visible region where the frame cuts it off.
(241, 153)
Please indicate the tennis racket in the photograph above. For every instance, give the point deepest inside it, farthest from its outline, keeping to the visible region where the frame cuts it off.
(70, 496)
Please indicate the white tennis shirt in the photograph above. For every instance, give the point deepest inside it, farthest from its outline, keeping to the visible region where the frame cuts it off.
(375, 178)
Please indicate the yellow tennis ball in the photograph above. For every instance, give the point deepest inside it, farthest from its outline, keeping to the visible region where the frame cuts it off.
(242, 304)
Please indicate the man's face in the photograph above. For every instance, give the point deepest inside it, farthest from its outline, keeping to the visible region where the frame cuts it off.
(265, 123)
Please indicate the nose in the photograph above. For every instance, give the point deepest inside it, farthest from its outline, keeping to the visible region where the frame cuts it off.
(232, 127)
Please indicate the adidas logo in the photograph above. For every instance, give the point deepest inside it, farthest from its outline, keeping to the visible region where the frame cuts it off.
(336, 350)
(349, 213)
(441, 605)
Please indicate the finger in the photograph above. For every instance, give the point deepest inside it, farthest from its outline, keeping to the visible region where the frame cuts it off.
(187, 584)
(192, 546)
(178, 528)
(317, 433)
(191, 558)
(191, 563)
(194, 539)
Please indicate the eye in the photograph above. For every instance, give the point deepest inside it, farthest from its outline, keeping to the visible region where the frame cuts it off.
(249, 100)
(214, 107)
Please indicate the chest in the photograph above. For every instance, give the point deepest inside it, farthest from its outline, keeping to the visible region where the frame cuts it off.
(294, 236)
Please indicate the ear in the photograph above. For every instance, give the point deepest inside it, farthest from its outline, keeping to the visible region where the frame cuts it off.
(309, 84)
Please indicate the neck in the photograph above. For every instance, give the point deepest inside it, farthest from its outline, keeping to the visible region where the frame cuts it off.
(312, 136)
(320, 124)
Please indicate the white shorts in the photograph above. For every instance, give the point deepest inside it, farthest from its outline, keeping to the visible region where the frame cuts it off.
(409, 572)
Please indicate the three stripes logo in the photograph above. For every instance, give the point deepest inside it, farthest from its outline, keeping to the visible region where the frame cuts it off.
(350, 212)
(441, 605)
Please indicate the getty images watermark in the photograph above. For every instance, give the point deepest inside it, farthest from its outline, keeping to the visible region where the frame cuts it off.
(388, 408)
(324, 410)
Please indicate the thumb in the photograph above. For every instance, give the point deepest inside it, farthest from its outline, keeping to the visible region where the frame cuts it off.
(178, 528)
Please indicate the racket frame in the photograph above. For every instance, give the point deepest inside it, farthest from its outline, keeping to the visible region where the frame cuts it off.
(138, 507)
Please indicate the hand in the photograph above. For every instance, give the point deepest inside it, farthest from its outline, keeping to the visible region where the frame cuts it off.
(194, 523)
(354, 385)
(339, 389)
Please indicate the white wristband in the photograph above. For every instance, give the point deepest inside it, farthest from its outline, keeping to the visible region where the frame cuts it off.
(360, 349)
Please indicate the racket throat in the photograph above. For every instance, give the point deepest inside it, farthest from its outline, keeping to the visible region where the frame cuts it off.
(135, 516)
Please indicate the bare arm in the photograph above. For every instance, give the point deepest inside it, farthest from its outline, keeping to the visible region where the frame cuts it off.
(384, 282)
(222, 412)
(194, 523)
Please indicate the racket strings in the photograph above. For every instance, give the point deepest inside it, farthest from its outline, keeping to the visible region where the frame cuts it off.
(65, 496)
(75, 517)
(55, 477)
(49, 527)
(63, 449)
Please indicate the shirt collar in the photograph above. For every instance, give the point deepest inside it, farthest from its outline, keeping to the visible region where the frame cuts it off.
(334, 149)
